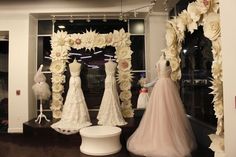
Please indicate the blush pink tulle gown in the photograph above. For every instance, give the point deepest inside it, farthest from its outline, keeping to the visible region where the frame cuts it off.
(164, 130)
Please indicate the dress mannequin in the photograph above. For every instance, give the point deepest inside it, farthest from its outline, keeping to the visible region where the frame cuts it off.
(41, 91)
(75, 112)
(164, 130)
(110, 113)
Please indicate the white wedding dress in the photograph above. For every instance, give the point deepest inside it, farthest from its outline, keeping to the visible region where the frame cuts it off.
(109, 113)
(75, 113)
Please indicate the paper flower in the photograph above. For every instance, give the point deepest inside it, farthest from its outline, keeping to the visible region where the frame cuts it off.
(194, 12)
(170, 36)
(125, 95)
(175, 63)
(211, 26)
(56, 114)
(124, 64)
(58, 78)
(57, 87)
(127, 112)
(123, 53)
(57, 67)
(205, 6)
(121, 38)
(124, 76)
(60, 39)
(59, 54)
(100, 41)
(217, 144)
(126, 104)
(125, 85)
(108, 38)
(77, 41)
(89, 39)
(57, 96)
(216, 68)
(56, 105)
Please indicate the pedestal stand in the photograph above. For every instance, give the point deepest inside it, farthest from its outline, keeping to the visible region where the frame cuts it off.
(41, 115)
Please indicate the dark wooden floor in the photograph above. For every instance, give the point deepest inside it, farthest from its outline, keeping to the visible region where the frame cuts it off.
(20, 145)
(42, 141)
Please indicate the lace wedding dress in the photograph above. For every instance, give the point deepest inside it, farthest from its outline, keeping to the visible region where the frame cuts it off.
(164, 130)
(75, 113)
(109, 112)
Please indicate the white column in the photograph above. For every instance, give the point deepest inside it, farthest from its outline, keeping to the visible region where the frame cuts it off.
(155, 41)
(228, 32)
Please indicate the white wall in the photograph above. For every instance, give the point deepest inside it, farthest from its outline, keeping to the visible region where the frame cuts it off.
(228, 27)
(18, 27)
(32, 65)
(155, 41)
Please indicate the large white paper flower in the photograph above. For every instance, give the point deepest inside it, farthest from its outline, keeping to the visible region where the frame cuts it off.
(124, 76)
(123, 53)
(58, 78)
(211, 26)
(182, 20)
(109, 38)
(216, 69)
(194, 12)
(170, 36)
(127, 112)
(179, 34)
(121, 38)
(217, 144)
(57, 96)
(175, 63)
(124, 64)
(126, 104)
(100, 41)
(125, 95)
(88, 39)
(57, 67)
(59, 54)
(76, 41)
(125, 85)
(60, 39)
(56, 114)
(205, 6)
(57, 87)
(56, 105)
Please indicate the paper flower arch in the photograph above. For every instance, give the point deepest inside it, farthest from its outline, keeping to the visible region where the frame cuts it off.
(61, 43)
(205, 13)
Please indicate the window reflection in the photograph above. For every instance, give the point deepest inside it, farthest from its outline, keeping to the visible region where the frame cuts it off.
(196, 61)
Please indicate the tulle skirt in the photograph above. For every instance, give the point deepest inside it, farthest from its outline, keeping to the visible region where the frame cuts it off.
(41, 90)
(164, 130)
(143, 99)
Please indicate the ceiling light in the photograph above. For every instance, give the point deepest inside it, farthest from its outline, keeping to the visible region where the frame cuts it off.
(88, 19)
(53, 19)
(120, 17)
(61, 27)
(71, 19)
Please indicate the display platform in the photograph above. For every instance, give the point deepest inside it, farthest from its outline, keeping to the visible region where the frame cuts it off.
(32, 128)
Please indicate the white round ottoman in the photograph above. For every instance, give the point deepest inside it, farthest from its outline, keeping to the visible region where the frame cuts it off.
(100, 140)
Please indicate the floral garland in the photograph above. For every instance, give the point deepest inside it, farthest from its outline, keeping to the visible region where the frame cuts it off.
(61, 43)
(206, 13)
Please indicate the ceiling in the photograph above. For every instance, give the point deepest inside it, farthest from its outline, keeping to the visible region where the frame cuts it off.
(159, 7)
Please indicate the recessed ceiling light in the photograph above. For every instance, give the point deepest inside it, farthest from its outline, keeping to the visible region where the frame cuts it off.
(61, 27)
